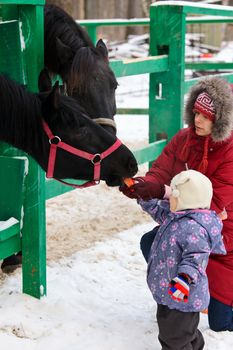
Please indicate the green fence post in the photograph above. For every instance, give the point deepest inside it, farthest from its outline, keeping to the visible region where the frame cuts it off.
(34, 236)
(167, 36)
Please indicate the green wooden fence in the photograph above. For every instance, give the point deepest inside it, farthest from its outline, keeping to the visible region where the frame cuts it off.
(21, 57)
(21, 37)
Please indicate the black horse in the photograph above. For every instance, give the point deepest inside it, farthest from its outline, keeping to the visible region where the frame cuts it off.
(22, 118)
(83, 67)
(29, 122)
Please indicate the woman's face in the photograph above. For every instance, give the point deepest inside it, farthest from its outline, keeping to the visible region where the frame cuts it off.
(203, 126)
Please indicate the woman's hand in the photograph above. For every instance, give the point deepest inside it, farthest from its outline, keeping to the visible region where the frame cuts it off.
(143, 189)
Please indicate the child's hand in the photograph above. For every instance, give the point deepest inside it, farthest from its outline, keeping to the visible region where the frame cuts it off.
(223, 215)
(179, 288)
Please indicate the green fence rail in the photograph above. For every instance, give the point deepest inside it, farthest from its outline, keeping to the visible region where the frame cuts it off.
(92, 26)
(151, 64)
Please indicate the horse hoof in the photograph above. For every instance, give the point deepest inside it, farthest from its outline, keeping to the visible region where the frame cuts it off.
(11, 263)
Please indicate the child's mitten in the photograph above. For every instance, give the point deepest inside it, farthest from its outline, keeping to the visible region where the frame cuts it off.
(179, 287)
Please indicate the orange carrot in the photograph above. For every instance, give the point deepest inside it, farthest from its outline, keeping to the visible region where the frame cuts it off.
(129, 181)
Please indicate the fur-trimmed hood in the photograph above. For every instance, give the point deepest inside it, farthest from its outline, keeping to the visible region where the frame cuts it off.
(221, 93)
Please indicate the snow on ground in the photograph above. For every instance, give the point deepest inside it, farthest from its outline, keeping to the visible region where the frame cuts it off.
(97, 300)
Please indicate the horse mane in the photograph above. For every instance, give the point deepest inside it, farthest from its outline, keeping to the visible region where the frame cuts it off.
(69, 115)
(19, 114)
(61, 25)
(81, 72)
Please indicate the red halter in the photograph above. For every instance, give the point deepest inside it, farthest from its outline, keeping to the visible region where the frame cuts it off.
(96, 159)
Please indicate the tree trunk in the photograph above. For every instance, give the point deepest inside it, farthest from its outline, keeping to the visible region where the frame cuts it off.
(107, 9)
(73, 7)
(228, 28)
(135, 10)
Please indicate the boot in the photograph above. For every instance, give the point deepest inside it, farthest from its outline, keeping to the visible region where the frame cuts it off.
(11, 263)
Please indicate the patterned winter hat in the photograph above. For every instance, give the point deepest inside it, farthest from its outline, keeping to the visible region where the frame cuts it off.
(204, 104)
(192, 189)
(220, 92)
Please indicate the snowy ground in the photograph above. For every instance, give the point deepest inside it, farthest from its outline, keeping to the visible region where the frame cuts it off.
(97, 300)
(97, 297)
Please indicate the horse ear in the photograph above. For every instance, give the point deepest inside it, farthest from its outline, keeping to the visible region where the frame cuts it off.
(64, 52)
(102, 48)
(44, 81)
(52, 101)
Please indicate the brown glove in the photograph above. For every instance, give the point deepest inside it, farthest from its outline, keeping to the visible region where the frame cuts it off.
(143, 189)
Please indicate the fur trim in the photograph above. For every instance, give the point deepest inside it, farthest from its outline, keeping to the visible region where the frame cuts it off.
(221, 93)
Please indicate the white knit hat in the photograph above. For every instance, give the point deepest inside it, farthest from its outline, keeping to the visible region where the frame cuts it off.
(192, 189)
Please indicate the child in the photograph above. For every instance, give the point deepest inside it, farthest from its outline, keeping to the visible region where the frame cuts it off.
(176, 273)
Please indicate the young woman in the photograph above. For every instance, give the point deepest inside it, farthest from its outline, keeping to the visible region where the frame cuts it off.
(207, 146)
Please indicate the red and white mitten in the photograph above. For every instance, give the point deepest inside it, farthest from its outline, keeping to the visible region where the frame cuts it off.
(179, 288)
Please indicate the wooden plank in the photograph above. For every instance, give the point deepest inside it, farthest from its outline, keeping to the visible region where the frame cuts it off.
(196, 8)
(11, 56)
(209, 19)
(135, 66)
(55, 188)
(34, 233)
(190, 82)
(22, 2)
(150, 152)
(140, 111)
(146, 21)
(10, 246)
(114, 22)
(208, 65)
(167, 36)
(12, 176)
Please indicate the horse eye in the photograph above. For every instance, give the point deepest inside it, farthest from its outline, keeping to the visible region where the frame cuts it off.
(114, 85)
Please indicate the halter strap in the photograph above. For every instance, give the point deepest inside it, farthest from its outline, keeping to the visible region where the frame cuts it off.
(55, 142)
(105, 121)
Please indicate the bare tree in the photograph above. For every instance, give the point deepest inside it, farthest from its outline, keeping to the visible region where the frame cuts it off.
(145, 4)
(106, 9)
(135, 10)
(74, 7)
(101, 9)
(227, 28)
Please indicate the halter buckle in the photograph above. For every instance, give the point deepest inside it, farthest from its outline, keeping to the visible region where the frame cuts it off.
(54, 140)
(96, 158)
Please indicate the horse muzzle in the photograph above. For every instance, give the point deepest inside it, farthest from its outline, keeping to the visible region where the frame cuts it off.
(96, 159)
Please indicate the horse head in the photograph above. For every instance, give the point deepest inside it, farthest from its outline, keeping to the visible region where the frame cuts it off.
(83, 67)
(90, 80)
(71, 125)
